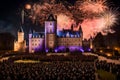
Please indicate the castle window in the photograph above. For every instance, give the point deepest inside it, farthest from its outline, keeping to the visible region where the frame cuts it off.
(50, 23)
(50, 30)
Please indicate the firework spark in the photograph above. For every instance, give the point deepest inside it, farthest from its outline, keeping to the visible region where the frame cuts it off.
(97, 18)
(89, 6)
(64, 21)
(93, 15)
(101, 24)
(41, 11)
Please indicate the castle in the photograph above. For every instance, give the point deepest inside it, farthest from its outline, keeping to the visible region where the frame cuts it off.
(51, 40)
(20, 44)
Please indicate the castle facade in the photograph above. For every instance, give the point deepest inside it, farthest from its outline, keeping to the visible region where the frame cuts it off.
(51, 40)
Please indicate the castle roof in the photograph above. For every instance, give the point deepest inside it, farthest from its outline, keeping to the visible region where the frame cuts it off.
(21, 29)
(37, 35)
(66, 32)
(51, 18)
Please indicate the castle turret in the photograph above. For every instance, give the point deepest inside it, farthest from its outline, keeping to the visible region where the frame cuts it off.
(72, 27)
(81, 32)
(50, 32)
(20, 35)
(81, 36)
(20, 45)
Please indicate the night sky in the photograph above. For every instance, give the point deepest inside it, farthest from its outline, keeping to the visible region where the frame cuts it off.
(10, 14)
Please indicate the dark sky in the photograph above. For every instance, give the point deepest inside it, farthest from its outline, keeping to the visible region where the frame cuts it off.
(10, 13)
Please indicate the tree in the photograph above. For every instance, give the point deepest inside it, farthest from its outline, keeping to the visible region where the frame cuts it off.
(99, 41)
(6, 41)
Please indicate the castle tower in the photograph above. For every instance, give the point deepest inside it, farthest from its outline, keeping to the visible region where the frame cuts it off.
(20, 35)
(20, 45)
(91, 43)
(50, 33)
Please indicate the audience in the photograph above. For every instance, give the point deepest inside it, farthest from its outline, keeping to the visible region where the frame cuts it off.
(47, 71)
(72, 67)
(110, 67)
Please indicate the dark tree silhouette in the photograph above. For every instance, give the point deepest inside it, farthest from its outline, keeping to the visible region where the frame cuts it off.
(6, 41)
(99, 41)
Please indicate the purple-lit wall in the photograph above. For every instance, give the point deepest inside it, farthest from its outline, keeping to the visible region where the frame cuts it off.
(50, 33)
(71, 48)
(50, 27)
(36, 44)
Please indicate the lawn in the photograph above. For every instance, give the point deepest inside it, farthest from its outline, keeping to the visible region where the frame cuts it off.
(104, 75)
(26, 61)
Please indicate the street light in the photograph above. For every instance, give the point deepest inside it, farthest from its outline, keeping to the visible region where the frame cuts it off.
(28, 7)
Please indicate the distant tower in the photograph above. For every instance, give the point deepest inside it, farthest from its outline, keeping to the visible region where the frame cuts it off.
(50, 33)
(91, 43)
(72, 27)
(20, 35)
(81, 36)
(81, 32)
(20, 45)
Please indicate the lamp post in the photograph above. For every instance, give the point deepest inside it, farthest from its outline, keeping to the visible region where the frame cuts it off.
(28, 7)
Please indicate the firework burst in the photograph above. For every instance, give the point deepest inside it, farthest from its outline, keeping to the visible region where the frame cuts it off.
(93, 15)
(110, 18)
(41, 11)
(103, 24)
(89, 6)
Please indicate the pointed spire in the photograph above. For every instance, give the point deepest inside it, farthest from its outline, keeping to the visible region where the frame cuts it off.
(72, 27)
(80, 29)
(21, 29)
(51, 18)
(30, 31)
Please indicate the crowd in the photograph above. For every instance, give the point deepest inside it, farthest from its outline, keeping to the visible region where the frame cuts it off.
(109, 67)
(47, 71)
(72, 67)
(53, 58)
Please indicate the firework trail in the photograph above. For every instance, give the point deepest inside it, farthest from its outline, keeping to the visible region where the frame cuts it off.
(93, 15)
